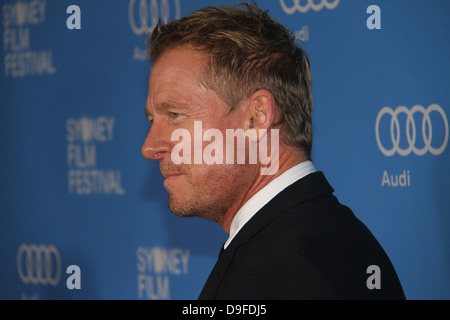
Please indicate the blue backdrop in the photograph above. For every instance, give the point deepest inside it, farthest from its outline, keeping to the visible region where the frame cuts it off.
(75, 189)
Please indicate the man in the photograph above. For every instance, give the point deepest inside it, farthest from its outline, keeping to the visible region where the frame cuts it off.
(235, 68)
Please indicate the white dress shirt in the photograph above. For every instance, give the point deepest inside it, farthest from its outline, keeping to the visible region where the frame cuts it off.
(263, 196)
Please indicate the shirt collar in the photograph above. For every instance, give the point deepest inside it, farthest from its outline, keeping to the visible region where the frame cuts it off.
(263, 196)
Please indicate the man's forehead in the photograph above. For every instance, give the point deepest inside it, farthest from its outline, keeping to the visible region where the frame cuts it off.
(180, 57)
(176, 80)
(166, 94)
(175, 70)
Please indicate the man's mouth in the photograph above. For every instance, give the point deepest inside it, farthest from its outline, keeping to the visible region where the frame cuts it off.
(170, 175)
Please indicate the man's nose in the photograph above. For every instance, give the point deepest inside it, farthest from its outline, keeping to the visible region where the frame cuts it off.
(157, 143)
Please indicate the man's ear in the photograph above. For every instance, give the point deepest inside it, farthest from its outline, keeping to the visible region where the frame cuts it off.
(261, 111)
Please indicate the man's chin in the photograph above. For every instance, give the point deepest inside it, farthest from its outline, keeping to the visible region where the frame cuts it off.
(182, 209)
(179, 209)
(181, 212)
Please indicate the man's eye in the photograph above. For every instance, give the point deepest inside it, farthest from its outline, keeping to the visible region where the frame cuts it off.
(175, 115)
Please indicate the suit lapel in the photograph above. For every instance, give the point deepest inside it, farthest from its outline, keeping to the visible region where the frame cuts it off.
(312, 186)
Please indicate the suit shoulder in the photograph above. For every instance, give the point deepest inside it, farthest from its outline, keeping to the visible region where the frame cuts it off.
(326, 236)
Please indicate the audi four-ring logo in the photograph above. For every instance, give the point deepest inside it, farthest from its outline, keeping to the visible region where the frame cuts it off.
(411, 130)
(315, 5)
(144, 16)
(39, 264)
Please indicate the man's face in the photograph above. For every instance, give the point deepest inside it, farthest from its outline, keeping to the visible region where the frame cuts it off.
(176, 98)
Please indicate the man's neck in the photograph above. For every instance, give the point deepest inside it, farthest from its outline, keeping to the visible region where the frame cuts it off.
(288, 157)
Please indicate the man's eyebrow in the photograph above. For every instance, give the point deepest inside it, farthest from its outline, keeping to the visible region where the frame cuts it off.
(163, 106)
(170, 104)
(148, 113)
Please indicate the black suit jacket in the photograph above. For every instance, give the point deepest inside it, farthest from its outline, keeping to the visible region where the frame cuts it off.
(303, 244)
